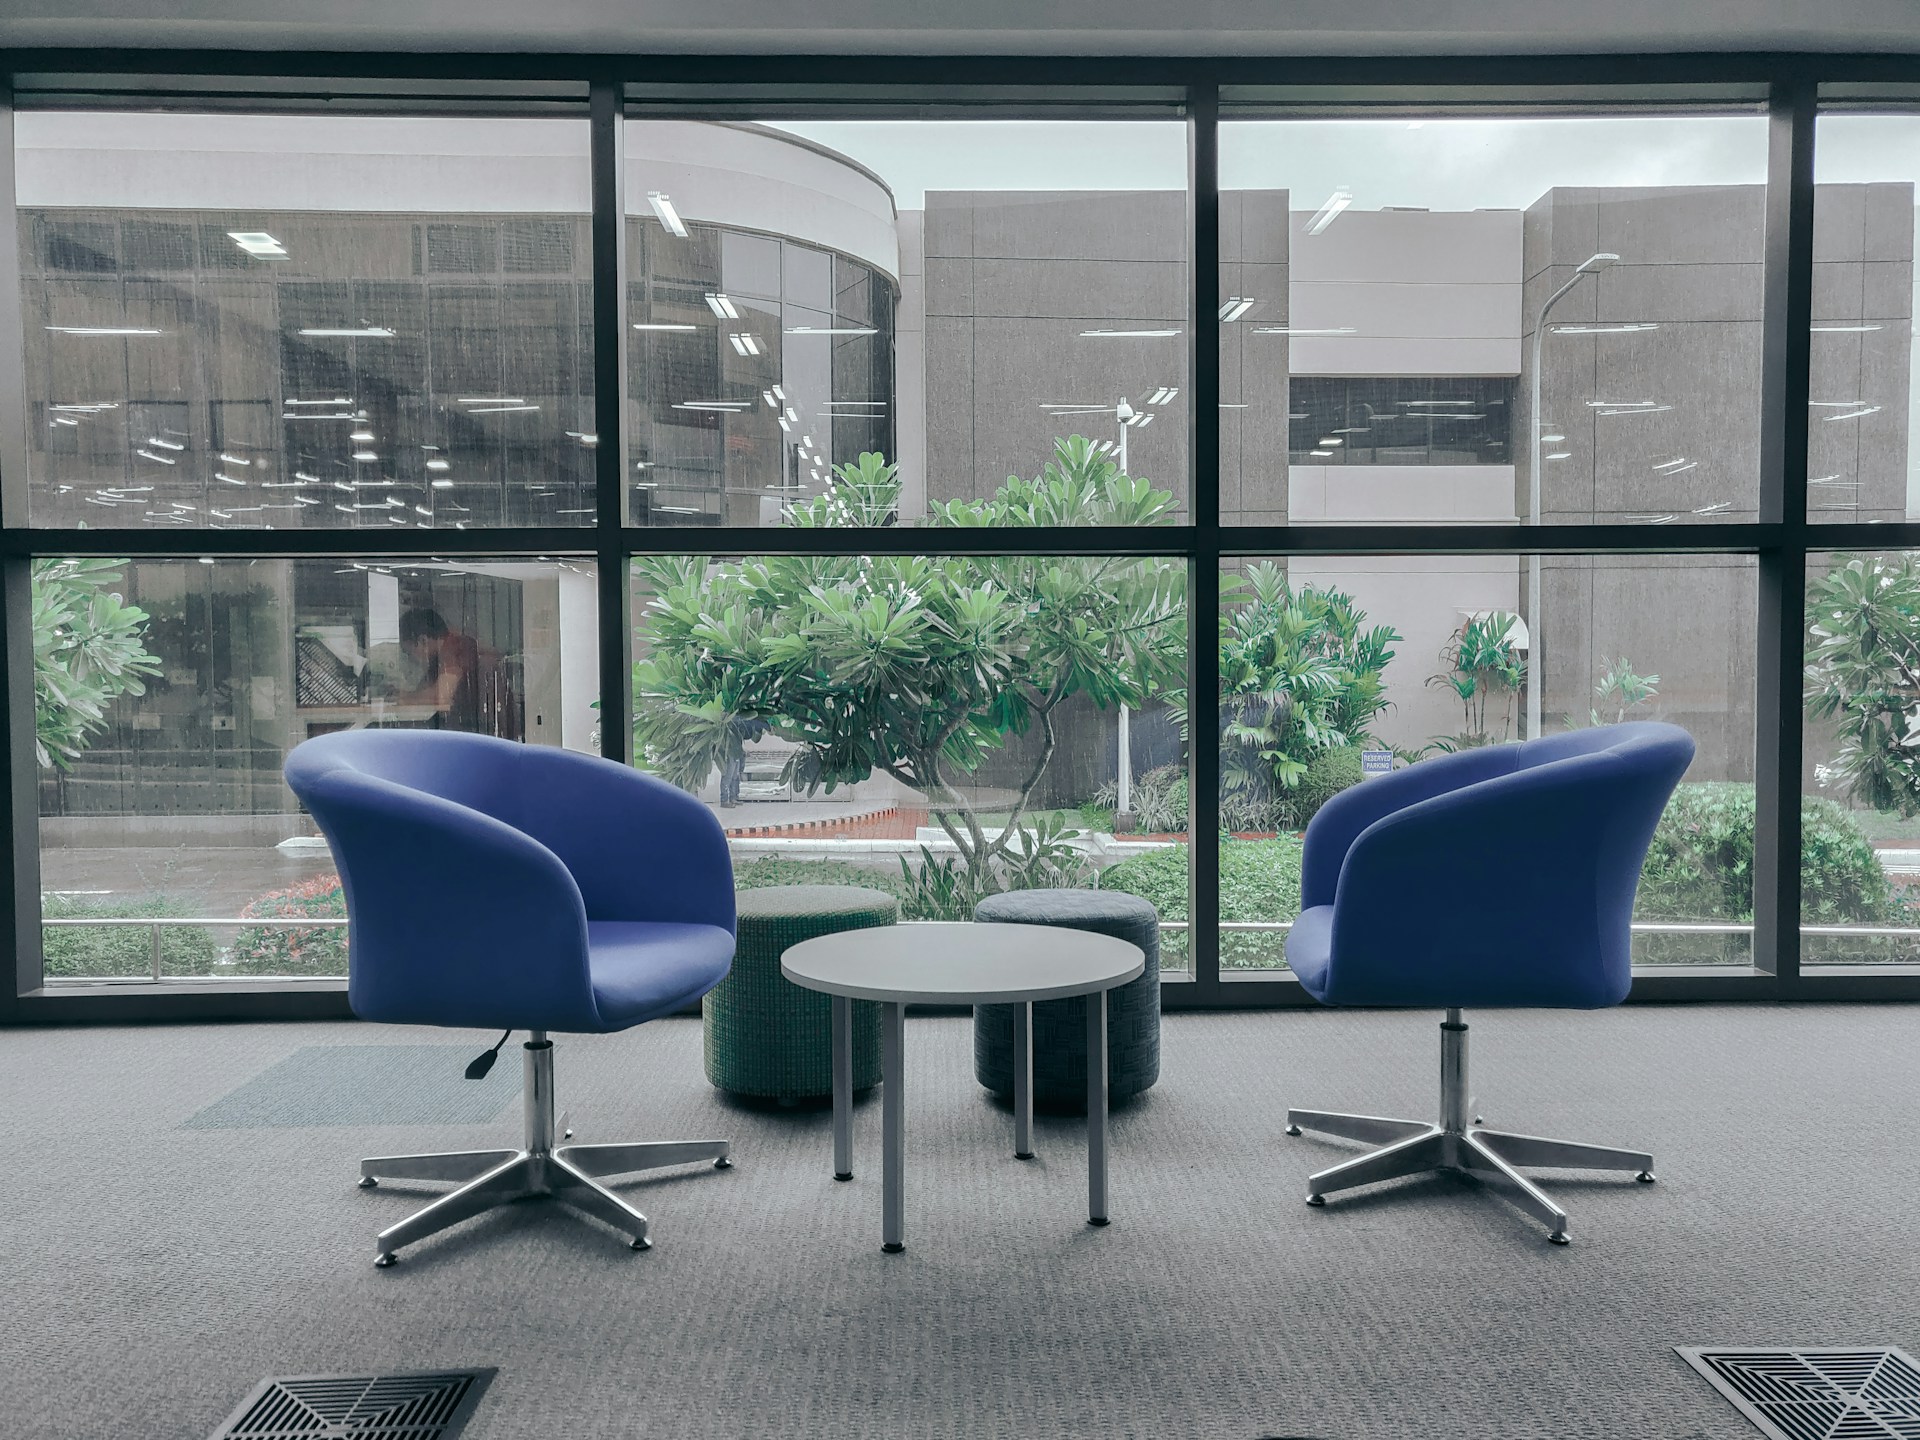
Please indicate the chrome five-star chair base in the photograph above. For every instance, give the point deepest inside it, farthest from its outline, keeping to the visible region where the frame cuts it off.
(1413, 1147)
(497, 1177)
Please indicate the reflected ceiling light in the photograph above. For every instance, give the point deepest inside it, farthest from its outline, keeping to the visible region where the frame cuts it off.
(234, 459)
(364, 332)
(721, 306)
(1560, 455)
(1676, 464)
(256, 242)
(91, 407)
(767, 395)
(1126, 334)
(832, 330)
(515, 408)
(792, 414)
(227, 479)
(732, 406)
(1836, 404)
(664, 325)
(1235, 308)
(337, 400)
(1551, 439)
(1145, 420)
(102, 330)
(669, 217)
(1327, 213)
(361, 435)
(1323, 454)
(443, 484)
(1853, 414)
(490, 400)
(744, 343)
(1331, 440)
(64, 420)
(1623, 329)
(1163, 394)
(1302, 330)
(1842, 329)
(163, 459)
(778, 393)
(364, 456)
(310, 479)
(1616, 404)
(438, 465)
(585, 437)
(786, 424)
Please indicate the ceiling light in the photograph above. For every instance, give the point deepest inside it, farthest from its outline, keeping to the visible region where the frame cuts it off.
(1551, 439)
(664, 325)
(1323, 454)
(1626, 329)
(101, 330)
(443, 484)
(365, 332)
(337, 400)
(1126, 334)
(745, 344)
(1853, 414)
(778, 393)
(1300, 330)
(234, 459)
(503, 409)
(149, 455)
(227, 479)
(490, 400)
(669, 217)
(438, 465)
(732, 407)
(363, 456)
(361, 435)
(1235, 308)
(721, 306)
(1327, 213)
(256, 242)
(832, 330)
(1842, 329)
(1560, 455)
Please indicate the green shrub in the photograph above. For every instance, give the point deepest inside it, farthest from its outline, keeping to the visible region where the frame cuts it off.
(1328, 773)
(765, 871)
(285, 949)
(1700, 867)
(1259, 880)
(122, 951)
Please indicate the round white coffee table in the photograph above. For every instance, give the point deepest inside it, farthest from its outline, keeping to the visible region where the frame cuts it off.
(961, 964)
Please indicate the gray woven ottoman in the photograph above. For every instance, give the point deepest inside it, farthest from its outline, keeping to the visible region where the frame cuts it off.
(765, 1036)
(1060, 1026)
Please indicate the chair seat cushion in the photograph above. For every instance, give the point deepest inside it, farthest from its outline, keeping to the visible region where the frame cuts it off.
(644, 970)
(1310, 947)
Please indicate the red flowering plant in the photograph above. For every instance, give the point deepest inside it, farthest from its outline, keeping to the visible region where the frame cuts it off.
(292, 949)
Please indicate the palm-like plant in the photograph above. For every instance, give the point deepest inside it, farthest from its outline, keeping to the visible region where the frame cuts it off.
(1484, 666)
(1298, 675)
(1863, 674)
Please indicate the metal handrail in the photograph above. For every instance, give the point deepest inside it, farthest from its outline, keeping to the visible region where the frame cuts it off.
(156, 923)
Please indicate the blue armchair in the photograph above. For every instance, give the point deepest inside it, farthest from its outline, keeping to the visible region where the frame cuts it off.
(512, 887)
(1495, 877)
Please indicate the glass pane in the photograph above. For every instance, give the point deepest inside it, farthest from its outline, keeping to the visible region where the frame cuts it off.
(168, 815)
(1398, 293)
(1860, 840)
(942, 729)
(953, 296)
(1326, 659)
(1859, 464)
(278, 321)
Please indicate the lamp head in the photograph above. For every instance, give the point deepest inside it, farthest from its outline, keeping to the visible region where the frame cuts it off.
(1593, 264)
(1123, 412)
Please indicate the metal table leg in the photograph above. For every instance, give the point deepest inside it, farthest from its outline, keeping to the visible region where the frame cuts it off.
(1023, 1084)
(1097, 1108)
(893, 1042)
(842, 1088)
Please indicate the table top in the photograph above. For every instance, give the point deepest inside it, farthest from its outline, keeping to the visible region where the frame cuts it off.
(962, 963)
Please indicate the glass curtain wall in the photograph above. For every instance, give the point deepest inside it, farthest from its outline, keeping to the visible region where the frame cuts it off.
(1435, 330)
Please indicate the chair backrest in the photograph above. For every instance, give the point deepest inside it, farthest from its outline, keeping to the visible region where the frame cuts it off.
(457, 916)
(1516, 887)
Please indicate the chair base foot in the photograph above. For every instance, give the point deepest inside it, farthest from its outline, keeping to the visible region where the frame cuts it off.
(1414, 1147)
(892, 1247)
(492, 1178)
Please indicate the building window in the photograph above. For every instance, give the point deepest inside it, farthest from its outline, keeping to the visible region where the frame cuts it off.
(1400, 420)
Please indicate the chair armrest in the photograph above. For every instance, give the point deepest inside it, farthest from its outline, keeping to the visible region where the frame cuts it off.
(638, 848)
(1338, 823)
(458, 919)
(1517, 890)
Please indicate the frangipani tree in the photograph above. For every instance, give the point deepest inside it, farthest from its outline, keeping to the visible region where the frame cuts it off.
(916, 667)
(87, 652)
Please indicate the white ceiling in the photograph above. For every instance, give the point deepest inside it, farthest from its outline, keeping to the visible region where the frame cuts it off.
(1065, 27)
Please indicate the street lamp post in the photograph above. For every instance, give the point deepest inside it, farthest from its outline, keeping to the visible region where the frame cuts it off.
(1123, 412)
(1592, 265)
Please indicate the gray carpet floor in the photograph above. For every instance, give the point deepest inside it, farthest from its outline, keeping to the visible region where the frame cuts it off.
(154, 1270)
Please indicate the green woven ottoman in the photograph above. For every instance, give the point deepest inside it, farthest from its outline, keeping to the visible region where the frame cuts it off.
(766, 1036)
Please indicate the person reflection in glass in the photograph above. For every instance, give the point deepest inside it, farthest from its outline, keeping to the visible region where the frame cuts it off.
(450, 666)
(742, 731)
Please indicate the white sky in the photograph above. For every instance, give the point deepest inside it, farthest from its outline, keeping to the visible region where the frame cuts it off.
(1441, 164)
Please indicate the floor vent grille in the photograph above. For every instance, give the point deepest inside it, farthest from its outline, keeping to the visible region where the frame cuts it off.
(433, 1405)
(1816, 1393)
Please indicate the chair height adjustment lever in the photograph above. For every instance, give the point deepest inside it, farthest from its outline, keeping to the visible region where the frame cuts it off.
(479, 1066)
